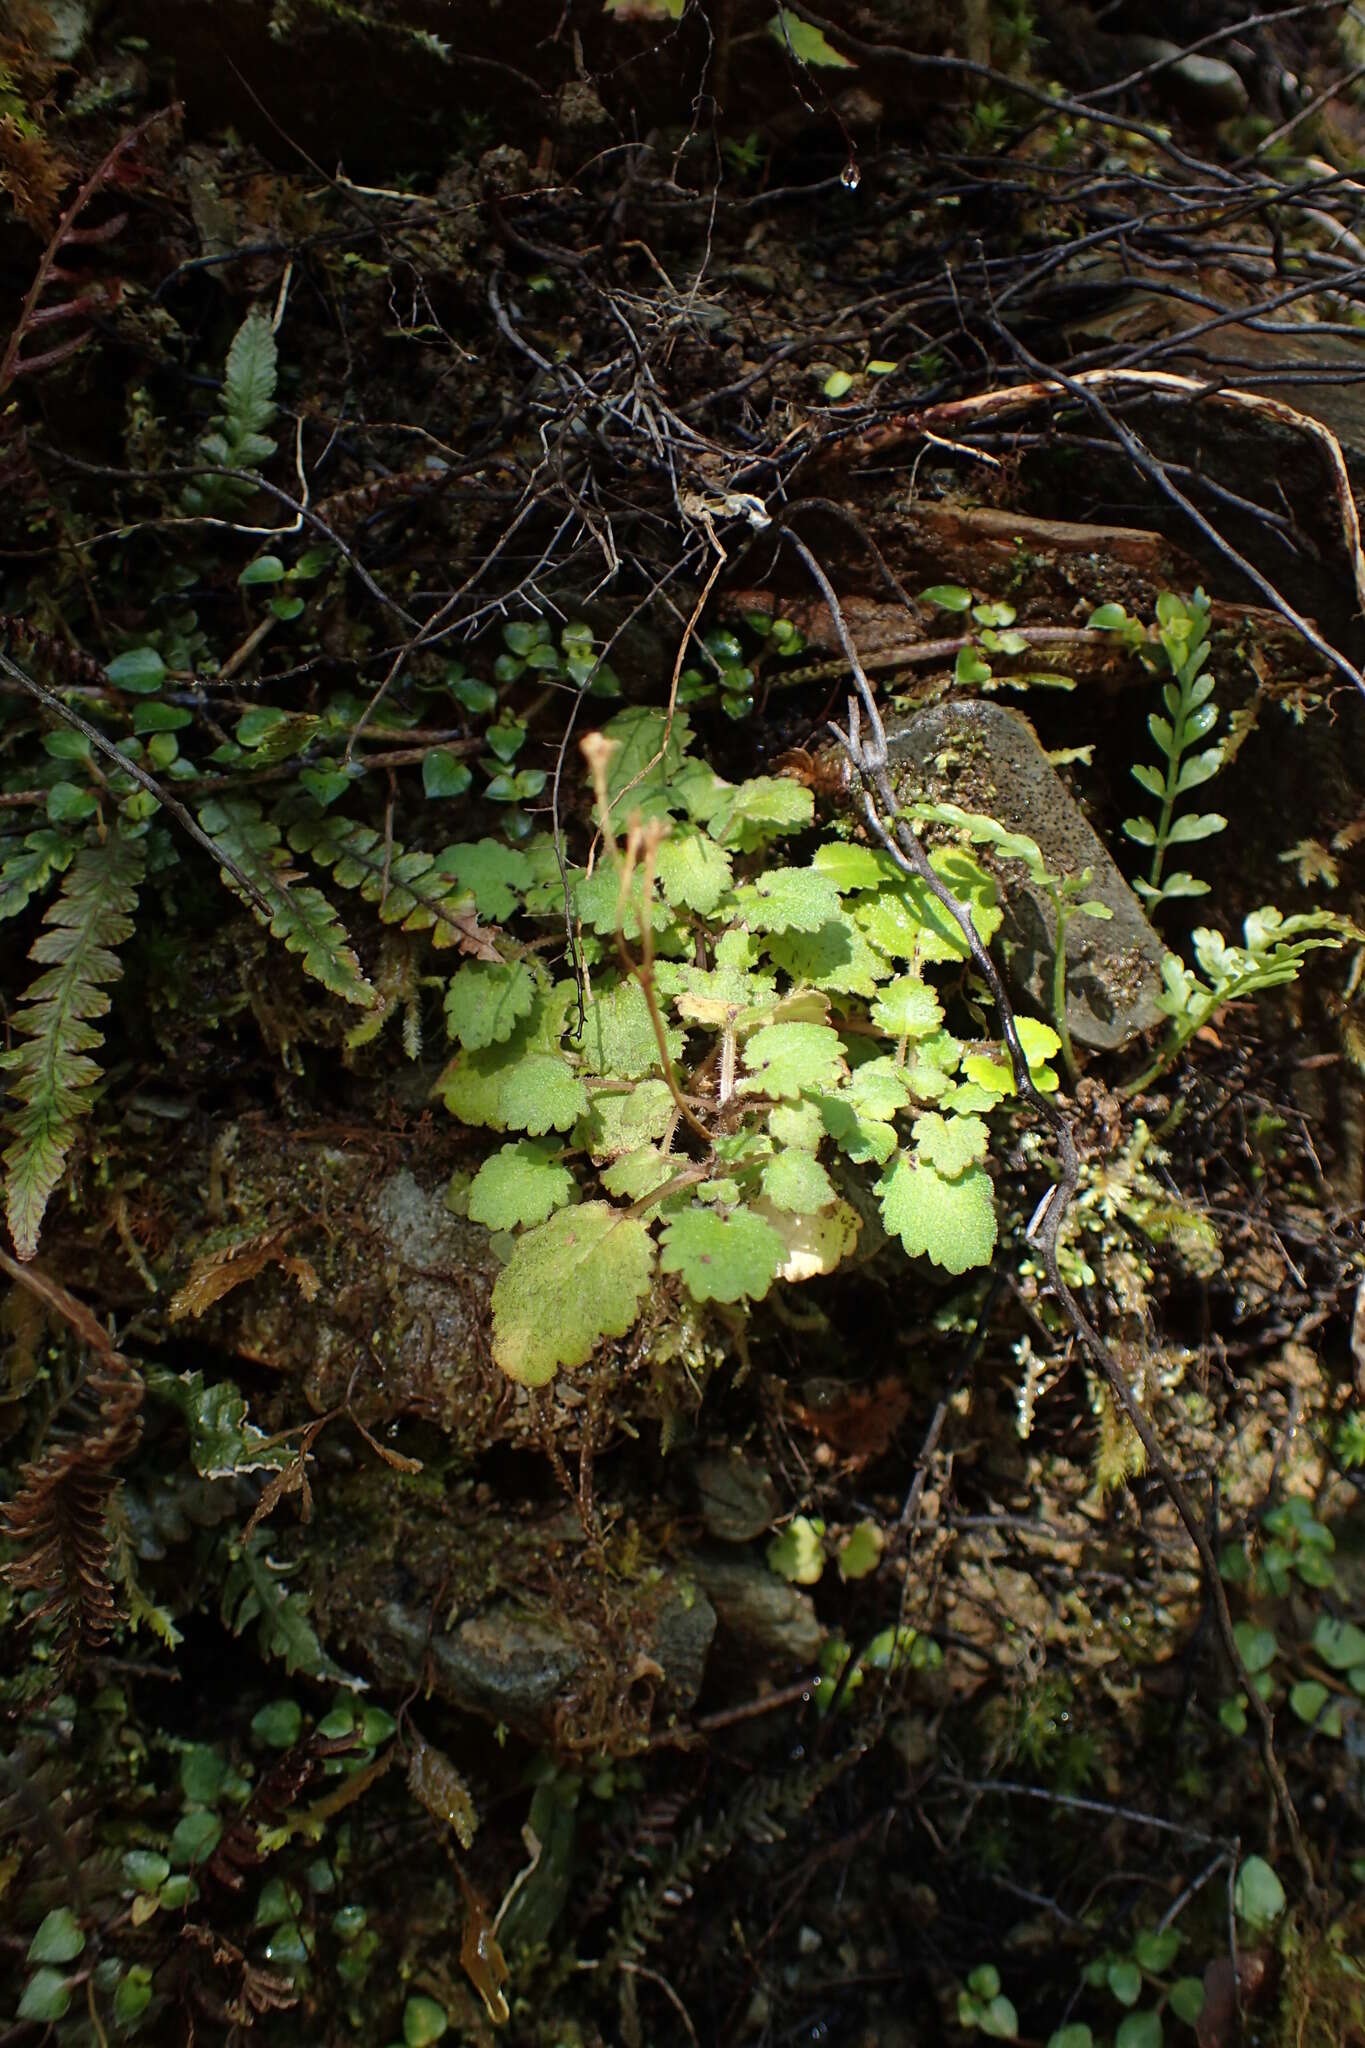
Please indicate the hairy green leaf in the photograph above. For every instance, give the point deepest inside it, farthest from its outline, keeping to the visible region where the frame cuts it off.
(836, 958)
(908, 1008)
(568, 1284)
(495, 875)
(951, 1222)
(693, 870)
(522, 1184)
(950, 1145)
(618, 1035)
(796, 1180)
(486, 1000)
(723, 1258)
(634, 776)
(852, 868)
(786, 900)
(785, 1059)
(754, 813)
(622, 1121)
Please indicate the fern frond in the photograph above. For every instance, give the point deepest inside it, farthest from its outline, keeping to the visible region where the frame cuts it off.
(409, 888)
(53, 1071)
(28, 866)
(84, 297)
(760, 1812)
(302, 917)
(249, 383)
(58, 1518)
(237, 439)
(255, 1590)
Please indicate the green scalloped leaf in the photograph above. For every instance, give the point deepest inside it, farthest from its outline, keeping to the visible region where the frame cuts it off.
(797, 1123)
(639, 736)
(950, 1144)
(715, 996)
(851, 868)
(692, 870)
(908, 922)
(796, 1181)
(723, 1258)
(752, 813)
(636, 1174)
(787, 900)
(523, 1183)
(797, 1553)
(618, 1037)
(863, 1139)
(837, 958)
(620, 1123)
(568, 1284)
(496, 875)
(486, 1000)
(522, 1084)
(880, 1088)
(597, 900)
(542, 1093)
(951, 1222)
(908, 1008)
(785, 1059)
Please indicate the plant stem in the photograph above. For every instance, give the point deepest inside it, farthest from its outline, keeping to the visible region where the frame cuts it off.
(1167, 810)
(1063, 911)
(1180, 1037)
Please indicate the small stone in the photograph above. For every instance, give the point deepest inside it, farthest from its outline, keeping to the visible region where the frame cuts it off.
(987, 759)
(1201, 88)
(772, 1622)
(738, 1499)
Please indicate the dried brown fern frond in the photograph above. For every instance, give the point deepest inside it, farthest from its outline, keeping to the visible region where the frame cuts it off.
(57, 1520)
(58, 295)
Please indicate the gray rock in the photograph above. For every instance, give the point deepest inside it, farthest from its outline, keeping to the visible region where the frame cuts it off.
(738, 1499)
(771, 1621)
(684, 1627)
(517, 1666)
(1202, 88)
(987, 758)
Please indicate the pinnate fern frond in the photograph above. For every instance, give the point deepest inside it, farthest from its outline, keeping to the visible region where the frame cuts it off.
(410, 889)
(237, 439)
(53, 1070)
(301, 916)
(29, 866)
